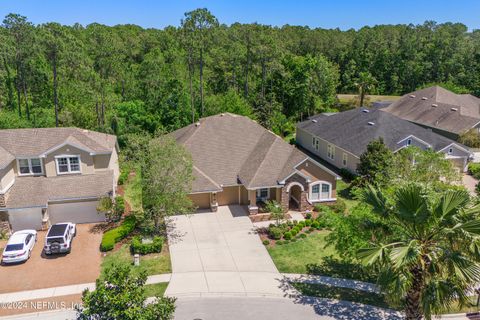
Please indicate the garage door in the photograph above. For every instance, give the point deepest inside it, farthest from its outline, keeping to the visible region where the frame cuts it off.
(76, 212)
(229, 195)
(29, 218)
(200, 200)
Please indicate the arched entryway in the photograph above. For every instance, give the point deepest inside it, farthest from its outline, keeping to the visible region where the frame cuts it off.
(295, 196)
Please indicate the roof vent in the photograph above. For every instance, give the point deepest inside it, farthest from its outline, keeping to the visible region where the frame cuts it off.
(424, 98)
(197, 124)
(314, 120)
(412, 96)
(365, 111)
(454, 109)
(371, 123)
(434, 105)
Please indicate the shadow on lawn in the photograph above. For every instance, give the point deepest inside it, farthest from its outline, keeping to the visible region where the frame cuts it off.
(333, 302)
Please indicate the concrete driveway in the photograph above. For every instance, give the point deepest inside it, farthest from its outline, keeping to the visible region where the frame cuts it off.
(82, 265)
(219, 254)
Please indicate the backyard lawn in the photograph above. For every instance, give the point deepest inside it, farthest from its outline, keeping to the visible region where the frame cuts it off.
(344, 194)
(156, 263)
(294, 256)
(133, 191)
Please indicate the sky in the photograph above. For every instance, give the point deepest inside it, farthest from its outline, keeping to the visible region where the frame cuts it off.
(343, 14)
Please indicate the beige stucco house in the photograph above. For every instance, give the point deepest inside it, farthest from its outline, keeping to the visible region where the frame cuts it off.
(237, 161)
(51, 175)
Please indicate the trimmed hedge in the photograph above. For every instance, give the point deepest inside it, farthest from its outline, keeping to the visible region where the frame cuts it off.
(119, 206)
(474, 169)
(115, 235)
(137, 246)
(123, 177)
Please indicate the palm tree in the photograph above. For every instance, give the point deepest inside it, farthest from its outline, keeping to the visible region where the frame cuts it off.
(365, 82)
(431, 259)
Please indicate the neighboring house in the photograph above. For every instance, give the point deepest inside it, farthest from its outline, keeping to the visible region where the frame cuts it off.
(52, 175)
(341, 138)
(237, 161)
(441, 110)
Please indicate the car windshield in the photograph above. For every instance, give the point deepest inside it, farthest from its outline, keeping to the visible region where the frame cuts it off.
(56, 239)
(14, 247)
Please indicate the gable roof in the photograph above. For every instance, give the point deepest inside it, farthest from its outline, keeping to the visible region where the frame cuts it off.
(36, 142)
(229, 149)
(439, 108)
(38, 191)
(352, 130)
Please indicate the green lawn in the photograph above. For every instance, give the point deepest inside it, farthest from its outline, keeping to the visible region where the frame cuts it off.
(294, 256)
(344, 194)
(155, 290)
(345, 294)
(152, 264)
(133, 191)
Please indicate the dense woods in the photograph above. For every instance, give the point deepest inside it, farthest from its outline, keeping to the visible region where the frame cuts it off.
(126, 79)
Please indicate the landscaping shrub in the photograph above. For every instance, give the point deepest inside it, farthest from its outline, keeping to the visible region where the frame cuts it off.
(321, 207)
(266, 242)
(347, 174)
(294, 232)
(308, 215)
(115, 235)
(293, 239)
(315, 224)
(280, 242)
(302, 235)
(311, 229)
(339, 206)
(308, 223)
(301, 224)
(275, 232)
(123, 177)
(286, 241)
(477, 188)
(119, 207)
(474, 169)
(137, 246)
(287, 235)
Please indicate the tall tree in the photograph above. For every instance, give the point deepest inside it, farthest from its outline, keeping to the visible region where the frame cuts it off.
(198, 25)
(431, 260)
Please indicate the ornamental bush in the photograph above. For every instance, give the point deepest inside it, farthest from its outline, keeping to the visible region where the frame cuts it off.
(339, 206)
(116, 234)
(138, 246)
(316, 224)
(287, 235)
(308, 222)
(123, 177)
(275, 232)
(266, 242)
(308, 215)
(474, 169)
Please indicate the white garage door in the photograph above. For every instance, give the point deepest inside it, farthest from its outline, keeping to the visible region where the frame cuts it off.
(76, 212)
(29, 218)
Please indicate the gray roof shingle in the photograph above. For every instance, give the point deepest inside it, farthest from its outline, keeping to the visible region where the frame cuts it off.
(351, 131)
(37, 191)
(435, 107)
(229, 149)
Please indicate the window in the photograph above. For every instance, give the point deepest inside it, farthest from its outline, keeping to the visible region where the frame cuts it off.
(450, 150)
(68, 164)
(315, 143)
(409, 142)
(320, 191)
(330, 152)
(30, 166)
(344, 159)
(263, 194)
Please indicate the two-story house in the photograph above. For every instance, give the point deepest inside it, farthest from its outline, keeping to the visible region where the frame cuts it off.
(51, 175)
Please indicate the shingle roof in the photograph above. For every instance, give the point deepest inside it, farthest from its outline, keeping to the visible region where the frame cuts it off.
(435, 107)
(228, 149)
(34, 142)
(351, 131)
(5, 157)
(37, 191)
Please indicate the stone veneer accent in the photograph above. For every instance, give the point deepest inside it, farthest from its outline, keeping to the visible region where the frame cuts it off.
(285, 201)
(3, 200)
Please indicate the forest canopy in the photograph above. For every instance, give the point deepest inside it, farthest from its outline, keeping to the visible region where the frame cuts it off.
(127, 79)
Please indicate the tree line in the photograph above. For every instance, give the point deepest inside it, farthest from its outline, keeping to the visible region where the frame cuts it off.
(127, 79)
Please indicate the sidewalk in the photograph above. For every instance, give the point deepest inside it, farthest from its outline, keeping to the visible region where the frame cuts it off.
(66, 290)
(334, 282)
(293, 214)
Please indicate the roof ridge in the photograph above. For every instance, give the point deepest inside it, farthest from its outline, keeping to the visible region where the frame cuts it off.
(264, 155)
(206, 176)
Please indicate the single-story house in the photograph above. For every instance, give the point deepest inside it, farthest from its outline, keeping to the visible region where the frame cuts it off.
(52, 175)
(341, 138)
(443, 111)
(237, 161)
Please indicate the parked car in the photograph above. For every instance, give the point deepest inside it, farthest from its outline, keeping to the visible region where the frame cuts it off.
(19, 246)
(59, 238)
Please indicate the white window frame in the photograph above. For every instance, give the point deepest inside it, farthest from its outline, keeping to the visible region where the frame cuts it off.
(345, 159)
(450, 151)
(320, 183)
(31, 173)
(68, 156)
(409, 142)
(330, 152)
(259, 192)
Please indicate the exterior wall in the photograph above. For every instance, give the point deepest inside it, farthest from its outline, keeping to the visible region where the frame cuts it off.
(305, 139)
(107, 162)
(7, 176)
(317, 174)
(415, 143)
(243, 196)
(229, 195)
(200, 200)
(27, 218)
(87, 165)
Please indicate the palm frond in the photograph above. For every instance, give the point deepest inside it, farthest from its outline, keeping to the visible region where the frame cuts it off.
(472, 227)
(450, 203)
(405, 255)
(370, 256)
(412, 205)
(376, 199)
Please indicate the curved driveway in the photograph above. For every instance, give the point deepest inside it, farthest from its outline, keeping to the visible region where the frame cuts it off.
(218, 254)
